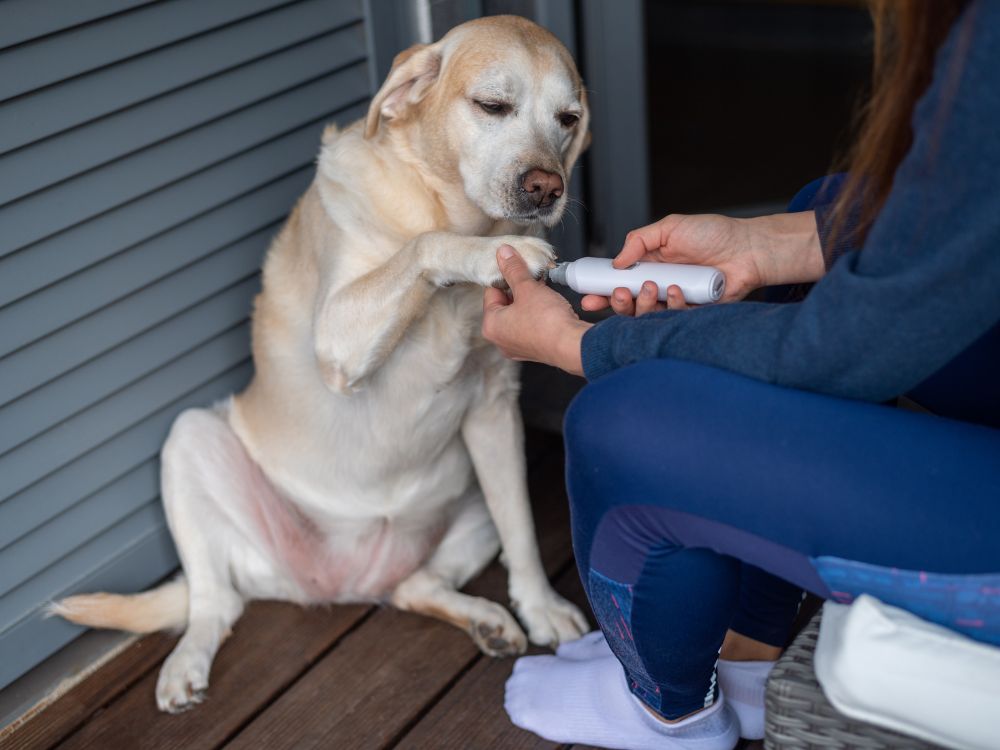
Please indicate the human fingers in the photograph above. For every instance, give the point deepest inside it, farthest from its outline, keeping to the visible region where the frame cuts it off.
(645, 240)
(494, 299)
(594, 302)
(622, 302)
(675, 298)
(512, 266)
(647, 299)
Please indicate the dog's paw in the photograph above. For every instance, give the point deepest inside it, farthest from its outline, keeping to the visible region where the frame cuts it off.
(496, 632)
(552, 620)
(182, 681)
(538, 255)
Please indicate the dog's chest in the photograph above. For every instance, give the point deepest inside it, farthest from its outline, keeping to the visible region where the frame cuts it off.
(437, 350)
(392, 445)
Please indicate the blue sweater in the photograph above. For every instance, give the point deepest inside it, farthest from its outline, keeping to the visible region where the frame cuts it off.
(925, 285)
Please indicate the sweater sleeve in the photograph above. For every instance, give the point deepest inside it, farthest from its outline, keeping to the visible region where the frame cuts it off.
(924, 287)
(834, 245)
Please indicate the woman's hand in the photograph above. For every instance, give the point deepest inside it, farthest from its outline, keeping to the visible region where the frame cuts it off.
(534, 323)
(752, 253)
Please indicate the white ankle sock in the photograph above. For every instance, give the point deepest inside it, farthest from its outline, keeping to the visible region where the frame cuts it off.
(588, 702)
(590, 646)
(744, 683)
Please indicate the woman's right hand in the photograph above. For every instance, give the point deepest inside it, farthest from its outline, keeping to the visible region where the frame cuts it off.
(752, 253)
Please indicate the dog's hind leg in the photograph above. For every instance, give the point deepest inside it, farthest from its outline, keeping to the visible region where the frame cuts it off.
(206, 478)
(470, 543)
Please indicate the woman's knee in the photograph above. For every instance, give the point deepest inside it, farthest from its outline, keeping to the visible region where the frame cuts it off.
(619, 428)
(660, 432)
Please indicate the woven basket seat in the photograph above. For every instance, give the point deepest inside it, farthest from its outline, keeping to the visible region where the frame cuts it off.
(800, 716)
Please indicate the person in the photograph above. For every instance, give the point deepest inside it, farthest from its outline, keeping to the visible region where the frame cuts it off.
(724, 458)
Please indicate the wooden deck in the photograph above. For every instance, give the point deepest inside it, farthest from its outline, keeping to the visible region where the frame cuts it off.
(338, 677)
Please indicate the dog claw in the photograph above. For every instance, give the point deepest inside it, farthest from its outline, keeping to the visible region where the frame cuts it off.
(501, 638)
(182, 683)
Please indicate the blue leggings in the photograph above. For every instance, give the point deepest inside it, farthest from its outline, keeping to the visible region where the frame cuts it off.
(702, 501)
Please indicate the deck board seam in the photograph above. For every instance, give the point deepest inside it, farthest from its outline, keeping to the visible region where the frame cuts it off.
(124, 686)
(281, 690)
(430, 704)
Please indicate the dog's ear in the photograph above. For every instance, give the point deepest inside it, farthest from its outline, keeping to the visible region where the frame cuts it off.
(414, 71)
(581, 140)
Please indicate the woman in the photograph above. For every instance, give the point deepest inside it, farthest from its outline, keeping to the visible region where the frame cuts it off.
(725, 458)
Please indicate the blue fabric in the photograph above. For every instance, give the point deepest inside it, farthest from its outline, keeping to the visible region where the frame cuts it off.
(703, 500)
(820, 192)
(956, 390)
(951, 391)
(921, 290)
(820, 196)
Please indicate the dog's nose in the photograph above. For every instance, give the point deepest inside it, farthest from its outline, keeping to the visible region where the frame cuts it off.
(543, 188)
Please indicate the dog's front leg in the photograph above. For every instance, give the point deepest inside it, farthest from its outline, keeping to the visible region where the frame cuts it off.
(494, 435)
(357, 325)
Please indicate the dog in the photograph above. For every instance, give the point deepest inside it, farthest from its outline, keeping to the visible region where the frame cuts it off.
(377, 454)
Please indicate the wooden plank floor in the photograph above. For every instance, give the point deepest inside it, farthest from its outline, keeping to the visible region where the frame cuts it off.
(338, 677)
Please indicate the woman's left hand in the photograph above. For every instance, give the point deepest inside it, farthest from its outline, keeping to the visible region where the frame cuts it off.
(648, 300)
(535, 323)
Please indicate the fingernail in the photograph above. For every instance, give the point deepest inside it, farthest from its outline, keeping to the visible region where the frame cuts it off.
(620, 296)
(506, 252)
(648, 289)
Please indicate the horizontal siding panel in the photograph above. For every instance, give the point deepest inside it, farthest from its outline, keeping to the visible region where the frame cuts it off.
(41, 114)
(28, 509)
(53, 403)
(73, 528)
(24, 20)
(143, 562)
(108, 234)
(101, 141)
(132, 489)
(149, 153)
(111, 326)
(85, 48)
(21, 601)
(99, 191)
(86, 291)
(33, 460)
(107, 462)
(83, 293)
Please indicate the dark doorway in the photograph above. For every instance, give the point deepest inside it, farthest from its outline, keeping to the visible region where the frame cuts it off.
(749, 100)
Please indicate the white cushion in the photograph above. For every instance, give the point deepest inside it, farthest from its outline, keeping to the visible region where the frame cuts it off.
(885, 666)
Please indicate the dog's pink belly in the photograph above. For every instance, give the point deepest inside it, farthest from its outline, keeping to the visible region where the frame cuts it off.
(365, 565)
(360, 560)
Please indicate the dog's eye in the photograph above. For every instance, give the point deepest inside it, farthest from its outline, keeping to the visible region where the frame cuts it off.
(568, 119)
(493, 108)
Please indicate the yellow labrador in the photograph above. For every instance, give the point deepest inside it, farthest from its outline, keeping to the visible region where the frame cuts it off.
(378, 453)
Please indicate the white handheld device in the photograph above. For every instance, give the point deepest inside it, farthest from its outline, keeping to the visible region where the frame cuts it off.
(700, 284)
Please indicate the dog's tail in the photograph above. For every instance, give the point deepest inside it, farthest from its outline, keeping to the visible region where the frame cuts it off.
(162, 608)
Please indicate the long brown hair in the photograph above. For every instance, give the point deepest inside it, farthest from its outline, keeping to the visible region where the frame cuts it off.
(908, 34)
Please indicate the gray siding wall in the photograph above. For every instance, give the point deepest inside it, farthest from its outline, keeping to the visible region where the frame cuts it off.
(148, 153)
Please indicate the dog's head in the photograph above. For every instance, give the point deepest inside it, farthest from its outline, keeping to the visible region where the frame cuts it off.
(496, 108)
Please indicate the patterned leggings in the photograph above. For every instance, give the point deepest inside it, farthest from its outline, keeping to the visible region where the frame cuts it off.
(702, 500)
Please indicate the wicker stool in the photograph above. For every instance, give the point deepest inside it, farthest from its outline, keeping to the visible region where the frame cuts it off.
(800, 716)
